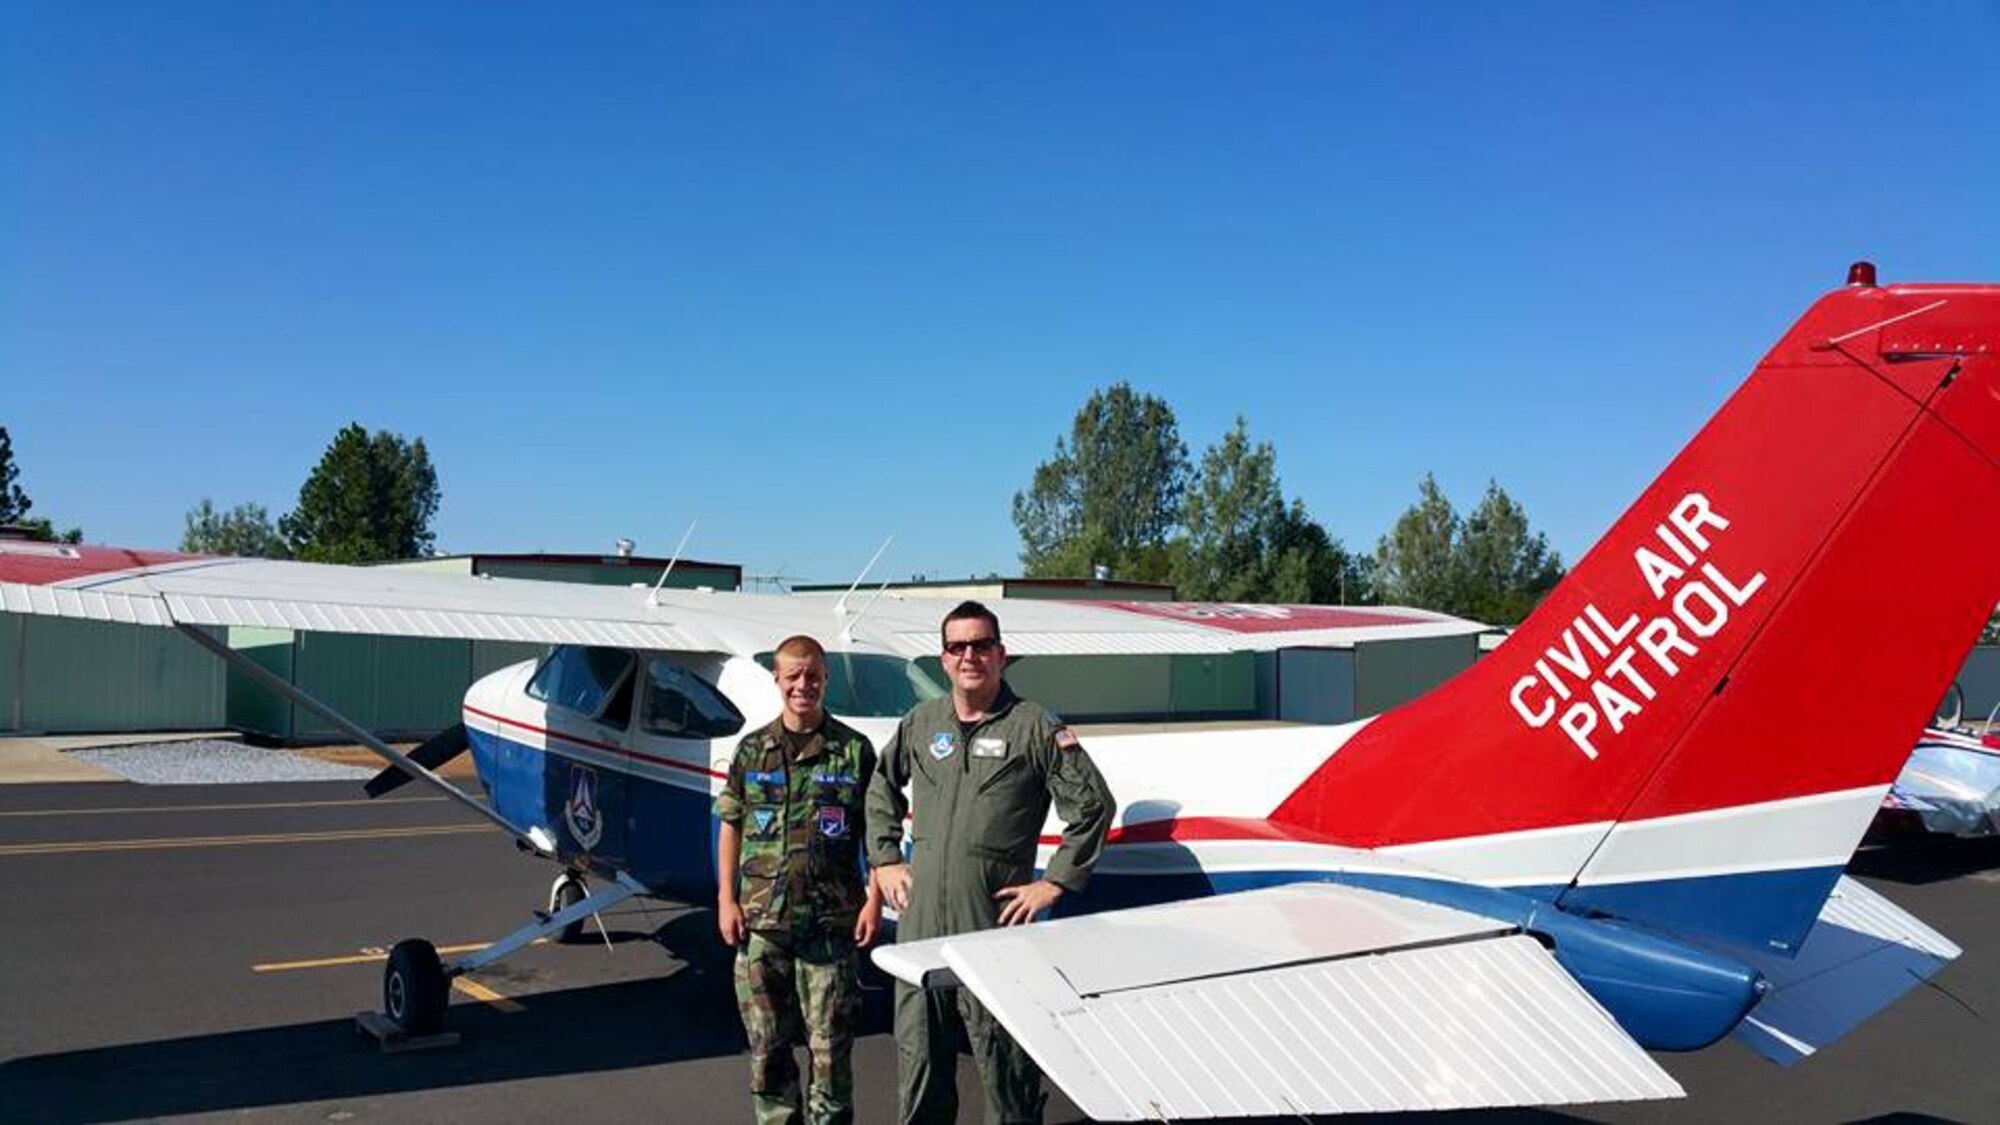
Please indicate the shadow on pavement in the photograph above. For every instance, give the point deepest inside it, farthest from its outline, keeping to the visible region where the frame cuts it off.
(1926, 859)
(688, 1013)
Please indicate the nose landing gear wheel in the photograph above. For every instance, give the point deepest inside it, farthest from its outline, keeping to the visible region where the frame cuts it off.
(568, 890)
(414, 987)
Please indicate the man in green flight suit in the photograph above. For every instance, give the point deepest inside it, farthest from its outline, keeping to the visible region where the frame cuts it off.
(791, 813)
(982, 766)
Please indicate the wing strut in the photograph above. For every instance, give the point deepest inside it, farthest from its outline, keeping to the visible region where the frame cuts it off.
(297, 695)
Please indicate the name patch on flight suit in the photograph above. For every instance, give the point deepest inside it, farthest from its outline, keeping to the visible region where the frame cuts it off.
(942, 745)
(989, 747)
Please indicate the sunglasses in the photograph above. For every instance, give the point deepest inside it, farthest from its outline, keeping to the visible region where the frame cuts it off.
(982, 646)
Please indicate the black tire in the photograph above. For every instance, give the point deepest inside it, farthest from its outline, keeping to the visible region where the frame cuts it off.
(414, 987)
(569, 890)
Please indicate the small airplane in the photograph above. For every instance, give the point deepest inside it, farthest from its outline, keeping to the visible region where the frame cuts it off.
(1951, 784)
(1607, 836)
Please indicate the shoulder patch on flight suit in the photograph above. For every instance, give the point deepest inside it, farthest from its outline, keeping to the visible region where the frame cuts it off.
(1065, 739)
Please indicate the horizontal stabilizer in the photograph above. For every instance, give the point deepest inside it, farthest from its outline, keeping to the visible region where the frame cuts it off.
(1310, 998)
(1861, 956)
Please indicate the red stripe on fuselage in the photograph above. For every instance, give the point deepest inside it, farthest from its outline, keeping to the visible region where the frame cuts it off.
(1206, 828)
(606, 747)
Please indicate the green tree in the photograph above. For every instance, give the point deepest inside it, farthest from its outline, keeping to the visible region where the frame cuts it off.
(14, 502)
(1243, 542)
(244, 531)
(1489, 566)
(1231, 511)
(371, 498)
(1416, 564)
(1504, 568)
(1111, 493)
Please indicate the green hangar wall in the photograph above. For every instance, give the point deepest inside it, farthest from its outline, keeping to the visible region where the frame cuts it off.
(64, 676)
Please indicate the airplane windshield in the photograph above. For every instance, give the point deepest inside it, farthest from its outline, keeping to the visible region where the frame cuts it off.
(872, 686)
(579, 678)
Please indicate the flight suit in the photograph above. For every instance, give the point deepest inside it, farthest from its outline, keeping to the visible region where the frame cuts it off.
(980, 794)
(800, 886)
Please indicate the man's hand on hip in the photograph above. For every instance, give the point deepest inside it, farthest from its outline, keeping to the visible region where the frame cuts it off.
(1023, 902)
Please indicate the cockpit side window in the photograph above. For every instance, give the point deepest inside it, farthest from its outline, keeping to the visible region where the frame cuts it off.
(681, 704)
(579, 679)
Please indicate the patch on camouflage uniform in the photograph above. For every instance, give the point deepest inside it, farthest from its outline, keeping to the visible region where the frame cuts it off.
(833, 822)
(763, 819)
(765, 777)
(1065, 739)
(989, 747)
(942, 745)
(835, 779)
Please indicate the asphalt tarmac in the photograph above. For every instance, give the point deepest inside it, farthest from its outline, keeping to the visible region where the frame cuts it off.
(198, 952)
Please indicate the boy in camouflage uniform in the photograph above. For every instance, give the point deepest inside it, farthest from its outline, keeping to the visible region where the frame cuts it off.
(791, 897)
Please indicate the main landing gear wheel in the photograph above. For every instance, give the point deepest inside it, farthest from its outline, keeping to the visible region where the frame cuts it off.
(568, 890)
(414, 987)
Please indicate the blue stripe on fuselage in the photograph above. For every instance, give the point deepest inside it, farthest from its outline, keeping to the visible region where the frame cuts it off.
(1667, 994)
(660, 833)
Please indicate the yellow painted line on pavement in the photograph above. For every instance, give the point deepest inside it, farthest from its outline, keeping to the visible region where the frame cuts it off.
(70, 847)
(372, 953)
(486, 995)
(222, 808)
(376, 954)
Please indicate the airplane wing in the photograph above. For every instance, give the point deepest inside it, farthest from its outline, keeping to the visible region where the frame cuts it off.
(167, 589)
(1301, 999)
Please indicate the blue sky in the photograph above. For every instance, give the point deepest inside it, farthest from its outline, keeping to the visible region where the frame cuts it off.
(820, 274)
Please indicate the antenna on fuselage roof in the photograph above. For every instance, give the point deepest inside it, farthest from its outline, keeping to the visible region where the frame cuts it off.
(654, 597)
(840, 607)
(847, 630)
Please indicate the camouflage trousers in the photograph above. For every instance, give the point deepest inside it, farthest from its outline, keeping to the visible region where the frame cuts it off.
(799, 990)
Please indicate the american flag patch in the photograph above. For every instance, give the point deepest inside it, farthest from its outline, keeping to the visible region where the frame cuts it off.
(1066, 739)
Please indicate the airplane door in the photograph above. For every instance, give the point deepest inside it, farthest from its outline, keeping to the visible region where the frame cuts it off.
(683, 736)
(585, 784)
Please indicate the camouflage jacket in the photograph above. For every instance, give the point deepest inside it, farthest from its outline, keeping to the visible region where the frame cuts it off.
(801, 820)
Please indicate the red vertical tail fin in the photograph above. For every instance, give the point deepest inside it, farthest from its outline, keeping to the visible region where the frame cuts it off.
(1695, 726)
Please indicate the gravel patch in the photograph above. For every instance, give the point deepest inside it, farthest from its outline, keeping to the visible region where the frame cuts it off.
(206, 762)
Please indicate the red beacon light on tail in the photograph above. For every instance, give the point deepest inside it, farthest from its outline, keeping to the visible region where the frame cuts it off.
(1861, 274)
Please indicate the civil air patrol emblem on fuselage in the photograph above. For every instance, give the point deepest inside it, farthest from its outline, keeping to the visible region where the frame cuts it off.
(942, 745)
(580, 812)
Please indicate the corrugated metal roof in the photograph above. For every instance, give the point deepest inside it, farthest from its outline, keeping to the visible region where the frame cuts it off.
(90, 605)
(123, 586)
(416, 622)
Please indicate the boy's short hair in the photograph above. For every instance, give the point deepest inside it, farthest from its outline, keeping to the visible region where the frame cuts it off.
(799, 646)
(966, 611)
